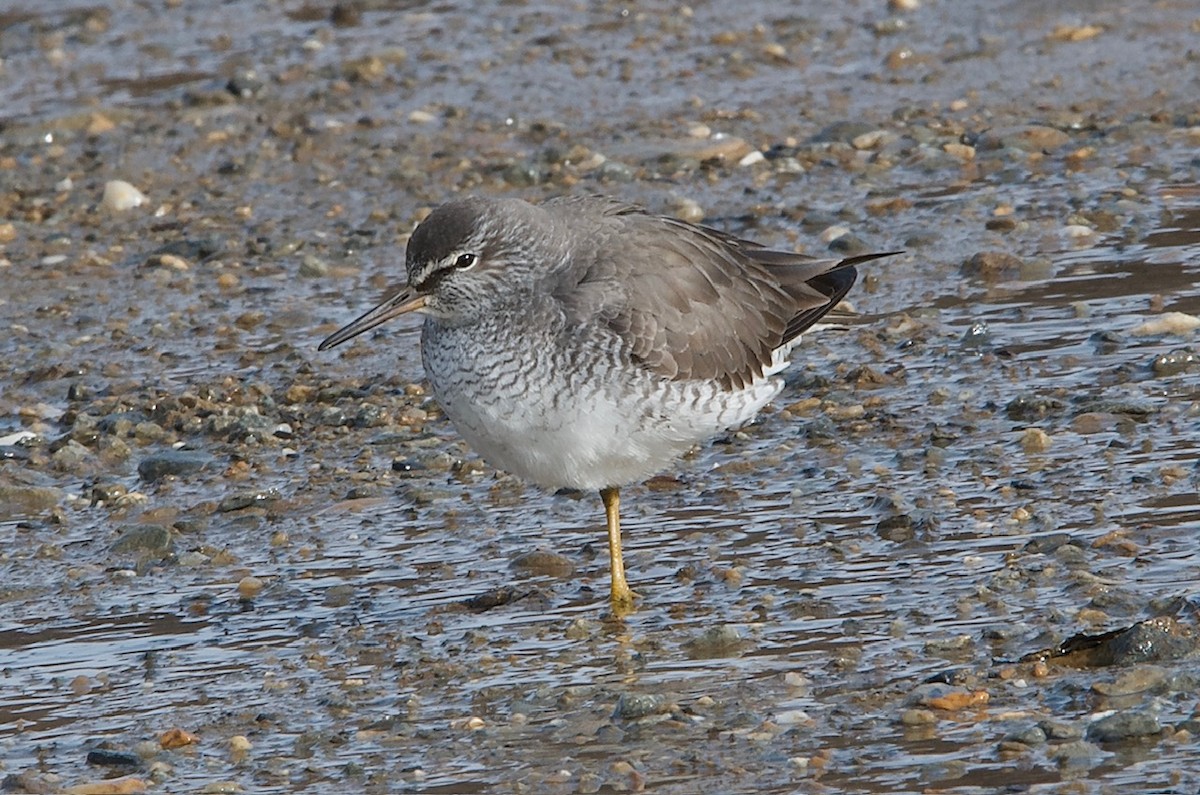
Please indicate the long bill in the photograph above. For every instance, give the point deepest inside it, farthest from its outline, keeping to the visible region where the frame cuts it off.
(401, 303)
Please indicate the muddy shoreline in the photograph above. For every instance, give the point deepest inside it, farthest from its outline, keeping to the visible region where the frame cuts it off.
(900, 579)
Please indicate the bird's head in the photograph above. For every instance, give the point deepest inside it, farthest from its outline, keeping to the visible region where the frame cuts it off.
(466, 257)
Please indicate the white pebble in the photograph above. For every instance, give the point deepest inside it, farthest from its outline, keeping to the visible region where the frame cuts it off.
(752, 158)
(421, 117)
(1167, 323)
(120, 195)
(792, 717)
(834, 232)
(16, 438)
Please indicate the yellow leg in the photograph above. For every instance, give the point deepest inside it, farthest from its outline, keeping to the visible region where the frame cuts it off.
(622, 597)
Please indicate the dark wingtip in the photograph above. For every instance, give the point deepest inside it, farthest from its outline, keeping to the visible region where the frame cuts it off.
(858, 259)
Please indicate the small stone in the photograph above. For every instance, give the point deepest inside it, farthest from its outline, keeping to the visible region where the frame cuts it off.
(168, 261)
(1028, 735)
(147, 540)
(112, 786)
(120, 195)
(1035, 440)
(631, 706)
(689, 210)
(721, 641)
(992, 265)
(963, 152)
(173, 463)
(1071, 33)
(1029, 138)
(1057, 730)
(177, 738)
(1143, 679)
(1167, 323)
(313, 267)
(247, 499)
(918, 717)
(250, 586)
(1123, 725)
(792, 717)
(958, 700)
(543, 562)
(19, 500)
(1175, 363)
(106, 758)
(870, 140)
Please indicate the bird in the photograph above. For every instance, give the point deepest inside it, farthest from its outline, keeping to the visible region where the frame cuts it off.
(586, 343)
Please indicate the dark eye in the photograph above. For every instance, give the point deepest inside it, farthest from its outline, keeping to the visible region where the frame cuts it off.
(464, 261)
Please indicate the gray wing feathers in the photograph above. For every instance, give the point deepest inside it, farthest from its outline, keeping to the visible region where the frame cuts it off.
(691, 302)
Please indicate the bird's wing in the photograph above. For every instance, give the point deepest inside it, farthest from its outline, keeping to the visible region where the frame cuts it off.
(694, 303)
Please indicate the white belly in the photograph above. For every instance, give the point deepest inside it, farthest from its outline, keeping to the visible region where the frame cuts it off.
(559, 425)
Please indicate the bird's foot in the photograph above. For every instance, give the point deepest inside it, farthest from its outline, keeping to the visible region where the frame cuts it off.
(623, 601)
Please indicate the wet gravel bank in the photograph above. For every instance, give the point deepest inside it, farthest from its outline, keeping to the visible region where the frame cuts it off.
(958, 554)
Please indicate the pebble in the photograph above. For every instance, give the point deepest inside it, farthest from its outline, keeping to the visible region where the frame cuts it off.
(632, 706)
(918, 717)
(146, 540)
(845, 132)
(313, 267)
(120, 196)
(1027, 735)
(1142, 679)
(1124, 725)
(792, 717)
(993, 265)
(1076, 754)
(18, 500)
(177, 738)
(247, 499)
(113, 786)
(1167, 323)
(173, 463)
(752, 158)
(872, 139)
(1029, 138)
(1035, 440)
(1174, 363)
(688, 210)
(106, 758)
(721, 641)
(543, 562)
(250, 586)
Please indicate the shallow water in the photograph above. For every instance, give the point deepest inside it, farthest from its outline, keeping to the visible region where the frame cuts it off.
(800, 580)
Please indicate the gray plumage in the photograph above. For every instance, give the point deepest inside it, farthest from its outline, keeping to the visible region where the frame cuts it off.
(585, 343)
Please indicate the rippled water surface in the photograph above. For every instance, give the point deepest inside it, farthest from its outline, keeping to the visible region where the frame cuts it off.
(804, 581)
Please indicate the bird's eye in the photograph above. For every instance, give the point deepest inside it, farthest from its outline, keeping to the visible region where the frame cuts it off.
(464, 261)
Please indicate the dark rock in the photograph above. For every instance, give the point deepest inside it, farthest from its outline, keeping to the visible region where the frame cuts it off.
(632, 706)
(992, 265)
(247, 499)
(106, 758)
(173, 463)
(143, 541)
(1122, 726)
(1032, 407)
